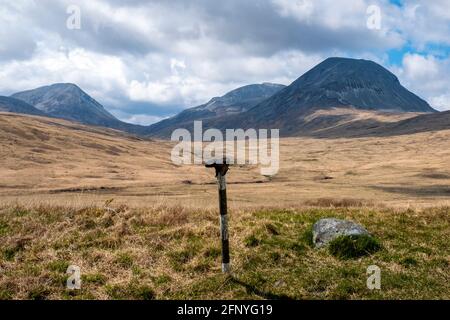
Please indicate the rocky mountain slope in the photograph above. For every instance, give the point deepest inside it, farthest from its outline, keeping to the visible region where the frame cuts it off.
(232, 103)
(67, 101)
(334, 83)
(8, 104)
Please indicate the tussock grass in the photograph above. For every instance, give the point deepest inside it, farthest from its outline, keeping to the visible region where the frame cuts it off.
(353, 246)
(339, 203)
(172, 252)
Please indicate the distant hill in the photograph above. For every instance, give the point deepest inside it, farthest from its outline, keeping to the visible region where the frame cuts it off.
(8, 104)
(423, 123)
(357, 123)
(232, 103)
(334, 83)
(338, 82)
(67, 101)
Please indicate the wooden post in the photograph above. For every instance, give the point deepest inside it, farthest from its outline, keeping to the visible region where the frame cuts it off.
(224, 222)
(221, 170)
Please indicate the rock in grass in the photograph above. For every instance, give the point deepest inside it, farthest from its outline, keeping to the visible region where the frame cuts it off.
(326, 230)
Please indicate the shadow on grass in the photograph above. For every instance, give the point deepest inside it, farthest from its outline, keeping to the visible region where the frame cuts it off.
(419, 191)
(252, 289)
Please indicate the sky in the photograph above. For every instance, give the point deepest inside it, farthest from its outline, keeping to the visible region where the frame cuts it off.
(147, 60)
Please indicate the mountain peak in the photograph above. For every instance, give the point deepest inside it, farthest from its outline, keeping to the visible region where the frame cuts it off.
(252, 91)
(351, 67)
(348, 60)
(338, 59)
(338, 82)
(66, 101)
(241, 99)
(67, 85)
(234, 102)
(64, 84)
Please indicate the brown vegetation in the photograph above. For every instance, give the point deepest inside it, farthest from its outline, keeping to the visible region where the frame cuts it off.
(140, 227)
(53, 161)
(173, 252)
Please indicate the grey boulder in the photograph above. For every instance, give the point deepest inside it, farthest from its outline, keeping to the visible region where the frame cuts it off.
(326, 230)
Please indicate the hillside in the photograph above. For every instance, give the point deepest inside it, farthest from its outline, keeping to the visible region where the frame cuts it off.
(422, 123)
(354, 123)
(52, 160)
(51, 156)
(233, 102)
(336, 83)
(67, 101)
(342, 82)
(8, 104)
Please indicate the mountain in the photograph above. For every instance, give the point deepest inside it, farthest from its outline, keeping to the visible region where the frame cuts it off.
(339, 97)
(234, 102)
(240, 99)
(340, 82)
(334, 83)
(8, 104)
(67, 101)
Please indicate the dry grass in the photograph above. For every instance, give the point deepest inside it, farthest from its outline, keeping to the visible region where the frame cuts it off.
(339, 203)
(53, 162)
(158, 238)
(172, 252)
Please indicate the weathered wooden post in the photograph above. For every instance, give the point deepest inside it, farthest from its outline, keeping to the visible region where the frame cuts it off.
(221, 166)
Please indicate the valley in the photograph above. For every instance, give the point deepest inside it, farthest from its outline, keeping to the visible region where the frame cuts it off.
(51, 161)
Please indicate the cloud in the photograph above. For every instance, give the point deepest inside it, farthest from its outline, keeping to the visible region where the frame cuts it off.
(16, 41)
(142, 119)
(426, 22)
(441, 103)
(428, 76)
(146, 60)
(420, 67)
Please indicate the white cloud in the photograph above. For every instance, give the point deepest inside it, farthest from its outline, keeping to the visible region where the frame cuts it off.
(142, 119)
(421, 67)
(427, 76)
(425, 22)
(326, 12)
(302, 10)
(164, 91)
(92, 71)
(441, 103)
(146, 59)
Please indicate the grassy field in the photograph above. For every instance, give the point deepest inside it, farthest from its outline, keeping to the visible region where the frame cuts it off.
(56, 162)
(165, 253)
(159, 237)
